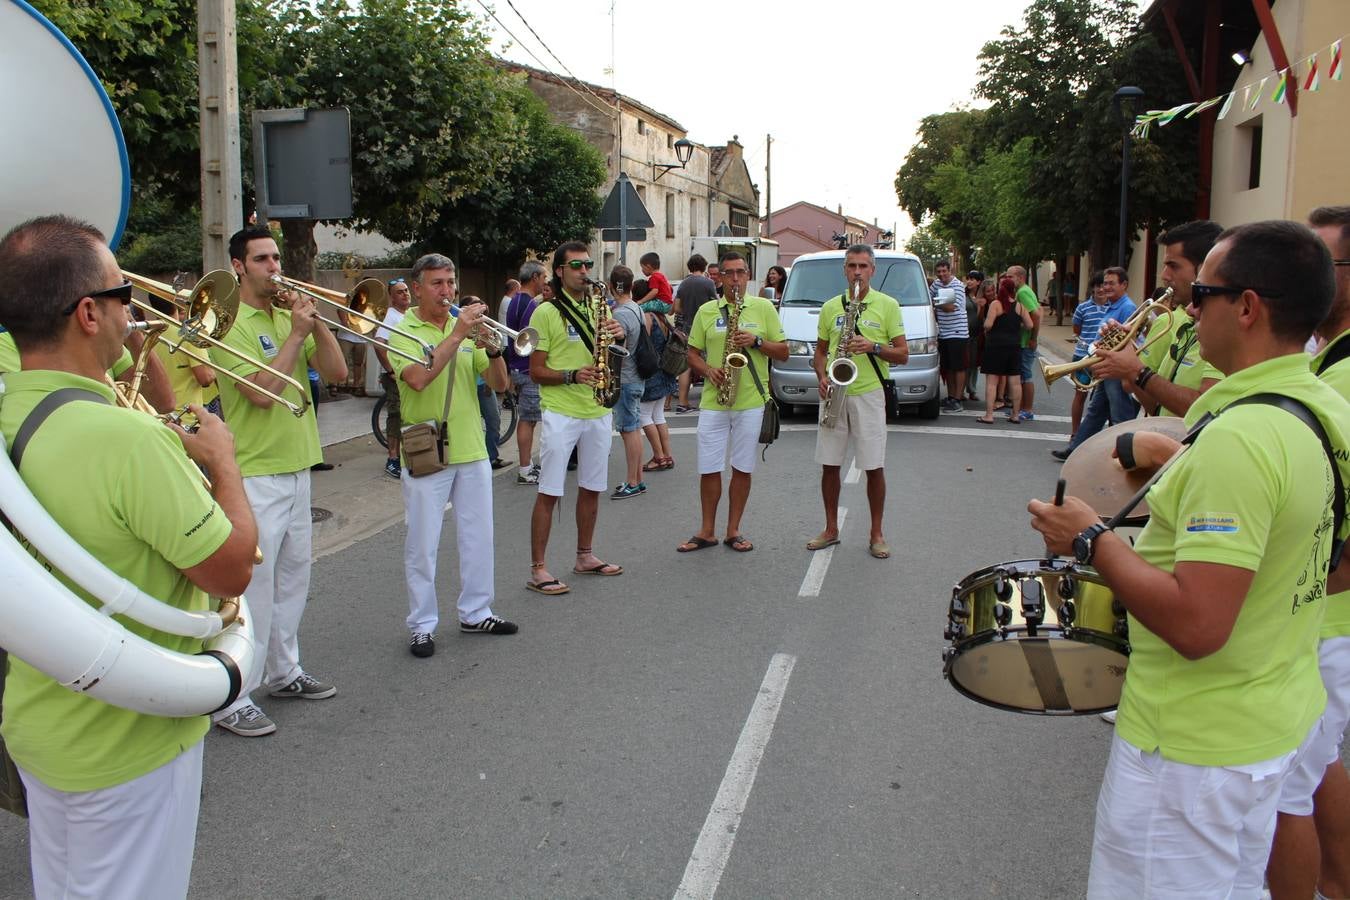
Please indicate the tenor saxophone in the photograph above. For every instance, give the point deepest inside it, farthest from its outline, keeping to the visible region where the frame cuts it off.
(733, 360)
(842, 370)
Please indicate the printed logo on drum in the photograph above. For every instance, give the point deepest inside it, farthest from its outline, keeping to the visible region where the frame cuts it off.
(1226, 523)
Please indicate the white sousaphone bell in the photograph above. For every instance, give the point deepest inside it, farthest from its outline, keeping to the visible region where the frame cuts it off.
(42, 621)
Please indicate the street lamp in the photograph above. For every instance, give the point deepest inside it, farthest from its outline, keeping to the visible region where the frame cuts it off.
(684, 149)
(1124, 100)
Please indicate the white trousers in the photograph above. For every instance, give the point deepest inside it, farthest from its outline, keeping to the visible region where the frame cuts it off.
(468, 487)
(279, 589)
(558, 435)
(133, 841)
(1170, 831)
(1296, 797)
(724, 433)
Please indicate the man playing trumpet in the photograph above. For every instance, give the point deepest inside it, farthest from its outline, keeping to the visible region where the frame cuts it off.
(466, 481)
(275, 451)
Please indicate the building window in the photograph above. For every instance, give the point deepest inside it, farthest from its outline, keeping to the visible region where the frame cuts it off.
(670, 215)
(1249, 139)
(693, 216)
(740, 222)
(670, 142)
(642, 193)
(642, 127)
(1254, 165)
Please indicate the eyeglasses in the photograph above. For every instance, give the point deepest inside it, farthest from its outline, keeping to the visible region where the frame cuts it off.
(581, 264)
(736, 273)
(1199, 292)
(121, 293)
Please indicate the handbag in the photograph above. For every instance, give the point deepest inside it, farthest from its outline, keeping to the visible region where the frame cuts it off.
(769, 426)
(887, 389)
(675, 355)
(423, 444)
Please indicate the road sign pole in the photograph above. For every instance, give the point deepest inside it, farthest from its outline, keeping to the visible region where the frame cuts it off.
(623, 220)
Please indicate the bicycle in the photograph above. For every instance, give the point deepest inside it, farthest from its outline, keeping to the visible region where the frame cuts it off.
(506, 409)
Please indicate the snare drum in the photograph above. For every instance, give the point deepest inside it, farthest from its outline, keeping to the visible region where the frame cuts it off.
(1039, 637)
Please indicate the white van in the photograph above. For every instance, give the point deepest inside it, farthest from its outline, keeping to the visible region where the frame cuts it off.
(815, 278)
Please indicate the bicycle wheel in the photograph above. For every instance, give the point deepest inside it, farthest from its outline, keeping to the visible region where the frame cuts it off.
(507, 412)
(377, 422)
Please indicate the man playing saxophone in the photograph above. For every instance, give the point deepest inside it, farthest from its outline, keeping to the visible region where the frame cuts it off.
(113, 795)
(732, 406)
(564, 365)
(875, 333)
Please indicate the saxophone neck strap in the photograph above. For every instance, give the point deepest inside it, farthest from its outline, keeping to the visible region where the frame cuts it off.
(582, 331)
(46, 406)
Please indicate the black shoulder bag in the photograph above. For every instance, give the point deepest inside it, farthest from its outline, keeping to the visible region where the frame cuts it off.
(12, 795)
(887, 388)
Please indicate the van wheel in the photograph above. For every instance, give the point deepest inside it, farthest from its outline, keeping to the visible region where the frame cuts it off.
(930, 409)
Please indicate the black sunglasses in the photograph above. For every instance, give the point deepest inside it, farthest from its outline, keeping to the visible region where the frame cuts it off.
(394, 281)
(121, 293)
(1340, 262)
(1200, 292)
(581, 264)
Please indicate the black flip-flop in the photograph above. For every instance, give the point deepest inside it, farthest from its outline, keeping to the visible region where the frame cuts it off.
(540, 587)
(698, 542)
(985, 421)
(739, 539)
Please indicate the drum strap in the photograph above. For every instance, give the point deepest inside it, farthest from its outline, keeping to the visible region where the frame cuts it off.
(46, 406)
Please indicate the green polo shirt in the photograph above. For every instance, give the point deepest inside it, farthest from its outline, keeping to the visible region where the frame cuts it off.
(565, 350)
(464, 425)
(1253, 492)
(178, 366)
(1027, 297)
(119, 483)
(9, 357)
(1174, 353)
(709, 334)
(879, 322)
(1337, 622)
(268, 441)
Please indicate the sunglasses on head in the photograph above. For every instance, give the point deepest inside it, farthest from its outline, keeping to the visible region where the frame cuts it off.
(121, 293)
(394, 281)
(581, 264)
(1200, 292)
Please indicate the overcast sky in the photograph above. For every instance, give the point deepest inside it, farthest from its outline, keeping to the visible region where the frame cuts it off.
(841, 88)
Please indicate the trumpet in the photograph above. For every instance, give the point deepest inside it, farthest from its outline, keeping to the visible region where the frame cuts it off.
(495, 338)
(1140, 321)
(208, 310)
(368, 303)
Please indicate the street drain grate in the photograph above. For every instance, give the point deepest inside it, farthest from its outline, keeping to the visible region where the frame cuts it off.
(319, 514)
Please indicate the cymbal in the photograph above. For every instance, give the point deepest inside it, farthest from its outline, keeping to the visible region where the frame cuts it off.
(1095, 477)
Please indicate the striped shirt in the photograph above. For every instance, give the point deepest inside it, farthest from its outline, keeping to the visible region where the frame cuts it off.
(1088, 316)
(952, 324)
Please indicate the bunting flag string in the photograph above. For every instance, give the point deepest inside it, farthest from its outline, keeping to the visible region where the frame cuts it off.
(1252, 92)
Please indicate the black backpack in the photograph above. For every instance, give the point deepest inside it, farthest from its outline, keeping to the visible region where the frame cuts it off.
(645, 358)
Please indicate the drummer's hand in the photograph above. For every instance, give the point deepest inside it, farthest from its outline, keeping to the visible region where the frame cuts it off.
(1151, 450)
(1061, 524)
(1123, 365)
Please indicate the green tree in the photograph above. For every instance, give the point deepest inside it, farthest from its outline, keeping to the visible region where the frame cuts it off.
(928, 247)
(431, 115)
(548, 194)
(941, 136)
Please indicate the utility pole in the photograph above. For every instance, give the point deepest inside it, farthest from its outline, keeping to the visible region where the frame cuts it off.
(218, 96)
(768, 185)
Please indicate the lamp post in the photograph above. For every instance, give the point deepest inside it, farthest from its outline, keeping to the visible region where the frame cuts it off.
(1128, 95)
(684, 149)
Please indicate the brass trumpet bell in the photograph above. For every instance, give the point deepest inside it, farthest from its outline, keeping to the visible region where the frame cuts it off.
(214, 303)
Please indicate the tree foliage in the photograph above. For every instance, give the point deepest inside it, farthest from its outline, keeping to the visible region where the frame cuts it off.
(547, 194)
(929, 247)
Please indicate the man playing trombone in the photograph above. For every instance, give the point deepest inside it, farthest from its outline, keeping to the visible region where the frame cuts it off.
(466, 480)
(113, 794)
(275, 452)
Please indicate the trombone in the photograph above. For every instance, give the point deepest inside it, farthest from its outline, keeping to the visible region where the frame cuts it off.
(208, 310)
(368, 303)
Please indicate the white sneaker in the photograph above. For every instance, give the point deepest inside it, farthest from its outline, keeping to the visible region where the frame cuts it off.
(1109, 716)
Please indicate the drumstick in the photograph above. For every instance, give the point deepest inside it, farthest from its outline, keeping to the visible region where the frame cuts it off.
(1059, 492)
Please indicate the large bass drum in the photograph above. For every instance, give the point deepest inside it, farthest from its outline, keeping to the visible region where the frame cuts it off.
(1043, 637)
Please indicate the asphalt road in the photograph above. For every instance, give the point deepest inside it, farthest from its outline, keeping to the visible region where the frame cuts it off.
(694, 724)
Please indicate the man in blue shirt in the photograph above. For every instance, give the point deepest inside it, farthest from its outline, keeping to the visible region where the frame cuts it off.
(1110, 401)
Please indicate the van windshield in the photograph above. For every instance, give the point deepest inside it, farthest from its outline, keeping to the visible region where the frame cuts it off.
(813, 281)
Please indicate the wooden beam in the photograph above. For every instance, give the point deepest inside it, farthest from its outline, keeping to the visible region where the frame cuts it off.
(1209, 86)
(1180, 46)
(1277, 54)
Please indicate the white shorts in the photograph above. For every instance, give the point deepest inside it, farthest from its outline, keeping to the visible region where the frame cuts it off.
(720, 429)
(1171, 831)
(558, 436)
(864, 420)
(1296, 797)
(652, 412)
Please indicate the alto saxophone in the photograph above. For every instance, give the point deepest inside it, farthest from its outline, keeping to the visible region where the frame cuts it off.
(608, 358)
(842, 370)
(733, 360)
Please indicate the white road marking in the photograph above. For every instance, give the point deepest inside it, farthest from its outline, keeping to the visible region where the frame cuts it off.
(713, 848)
(975, 413)
(854, 473)
(1001, 428)
(820, 564)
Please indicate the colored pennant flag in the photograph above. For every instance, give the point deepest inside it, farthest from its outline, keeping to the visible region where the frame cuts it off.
(1167, 115)
(1335, 68)
(1208, 104)
(1256, 94)
(1227, 104)
(1314, 80)
(1280, 87)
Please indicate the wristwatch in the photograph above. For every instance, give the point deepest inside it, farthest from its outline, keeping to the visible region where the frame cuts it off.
(1085, 544)
(570, 376)
(876, 348)
(493, 354)
(758, 341)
